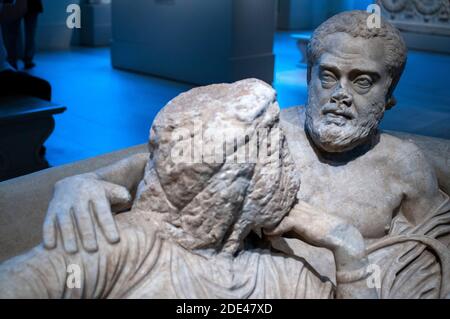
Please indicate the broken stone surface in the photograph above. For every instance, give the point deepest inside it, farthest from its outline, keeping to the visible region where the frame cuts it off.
(216, 226)
(190, 220)
(215, 204)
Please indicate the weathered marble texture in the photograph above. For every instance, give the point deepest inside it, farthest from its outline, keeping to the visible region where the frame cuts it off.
(413, 259)
(368, 207)
(238, 197)
(181, 239)
(169, 246)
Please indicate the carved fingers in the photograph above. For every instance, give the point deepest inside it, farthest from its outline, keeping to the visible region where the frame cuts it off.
(82, 213)
(105, 219)
(81, 205)
(116, 194)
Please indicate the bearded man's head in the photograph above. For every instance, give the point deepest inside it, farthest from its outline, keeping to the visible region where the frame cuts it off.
(352, 73)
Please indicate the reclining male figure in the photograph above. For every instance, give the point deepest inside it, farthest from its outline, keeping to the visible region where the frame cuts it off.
(187, 233)
(350, 170)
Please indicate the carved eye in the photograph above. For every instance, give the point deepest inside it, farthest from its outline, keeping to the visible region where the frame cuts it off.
(328, 78)
(363, 82)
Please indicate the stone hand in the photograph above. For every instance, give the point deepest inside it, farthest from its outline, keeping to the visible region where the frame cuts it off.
(324, 230)
(78, 203)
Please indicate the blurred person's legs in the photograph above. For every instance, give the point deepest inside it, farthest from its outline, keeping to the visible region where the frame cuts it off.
(30, 20)
(19, 83)
(11, 37)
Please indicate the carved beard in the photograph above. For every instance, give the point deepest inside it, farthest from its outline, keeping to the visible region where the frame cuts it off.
(335, 138)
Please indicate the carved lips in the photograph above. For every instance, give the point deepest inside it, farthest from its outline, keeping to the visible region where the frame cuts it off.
(336, 115)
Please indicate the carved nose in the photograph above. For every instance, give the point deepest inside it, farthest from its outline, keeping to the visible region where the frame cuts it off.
(342, 96)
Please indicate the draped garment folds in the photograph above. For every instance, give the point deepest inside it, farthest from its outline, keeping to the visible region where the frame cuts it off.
(149, 263)
(415, 261)
(145, 265)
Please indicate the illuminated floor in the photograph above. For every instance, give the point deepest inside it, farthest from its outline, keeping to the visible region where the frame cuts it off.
(110, 109)
(107, 109)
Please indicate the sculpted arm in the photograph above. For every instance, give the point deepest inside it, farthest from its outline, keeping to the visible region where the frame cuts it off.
(421, 190)
(79, 202)
(345, 241)
(127, 172)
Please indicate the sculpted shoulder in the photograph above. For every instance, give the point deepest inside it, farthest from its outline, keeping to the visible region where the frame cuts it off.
(400, 150)
(408, 163)
(400, 158)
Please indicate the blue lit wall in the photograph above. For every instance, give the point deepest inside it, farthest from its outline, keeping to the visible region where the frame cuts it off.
(308, 14)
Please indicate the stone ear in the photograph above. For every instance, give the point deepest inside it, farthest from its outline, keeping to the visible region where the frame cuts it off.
(391, 103)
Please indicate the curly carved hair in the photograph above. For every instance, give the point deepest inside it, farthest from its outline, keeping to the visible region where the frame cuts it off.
(354, 23)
